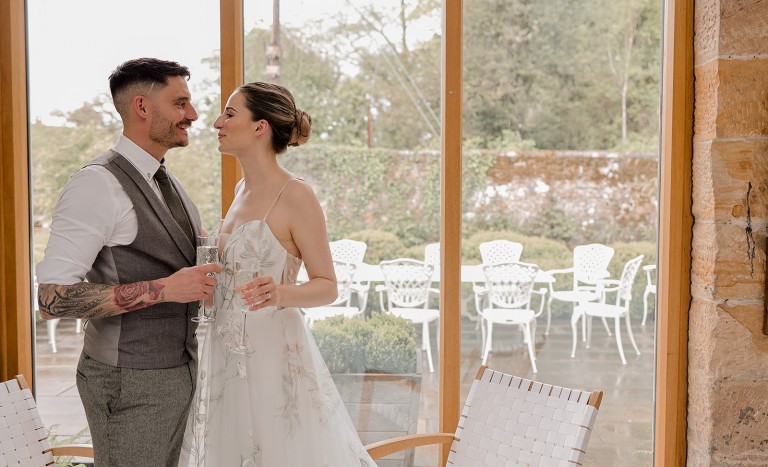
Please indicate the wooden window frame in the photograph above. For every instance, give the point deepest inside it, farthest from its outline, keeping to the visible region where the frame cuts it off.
(675, 219)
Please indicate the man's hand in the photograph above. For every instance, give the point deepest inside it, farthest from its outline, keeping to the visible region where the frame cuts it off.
(190, 284)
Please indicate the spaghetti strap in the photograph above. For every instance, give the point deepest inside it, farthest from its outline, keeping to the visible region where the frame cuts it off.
(278, 197)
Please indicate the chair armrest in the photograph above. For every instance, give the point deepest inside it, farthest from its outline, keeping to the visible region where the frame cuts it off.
(559, 271)
(380, 288)
(609, 282)
(401, 443)
(75, 450)
(543, 292)
(649, 267)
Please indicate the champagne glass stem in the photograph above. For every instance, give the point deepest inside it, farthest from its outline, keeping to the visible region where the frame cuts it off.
(242, 331)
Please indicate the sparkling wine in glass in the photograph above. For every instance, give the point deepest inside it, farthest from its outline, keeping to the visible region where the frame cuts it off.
(246, 269)
(207, 253)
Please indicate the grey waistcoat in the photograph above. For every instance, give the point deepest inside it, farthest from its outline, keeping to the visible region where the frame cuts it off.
(162, 335)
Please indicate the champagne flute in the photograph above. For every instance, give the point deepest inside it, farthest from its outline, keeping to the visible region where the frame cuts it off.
(246, 269)
(207, 253)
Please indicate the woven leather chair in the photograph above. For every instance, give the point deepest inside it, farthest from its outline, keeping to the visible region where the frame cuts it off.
(23, 439)
(508, 420)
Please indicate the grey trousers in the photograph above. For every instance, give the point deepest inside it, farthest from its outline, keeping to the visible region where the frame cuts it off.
(136, 417)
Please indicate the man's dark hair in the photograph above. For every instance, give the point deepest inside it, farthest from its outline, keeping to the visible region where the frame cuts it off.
(144, 72)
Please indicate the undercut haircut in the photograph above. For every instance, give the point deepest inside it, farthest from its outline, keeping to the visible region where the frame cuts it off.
(141, 75)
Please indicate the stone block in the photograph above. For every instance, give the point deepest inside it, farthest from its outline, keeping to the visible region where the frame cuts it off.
(705, 104)
(703, 260)
(750, 316)
(740, 354)
(741, 409)
(727, 262)
(702, 324)
(727, 376)
(706, 32)
(742, 101)
(743, 27)
(722, 174)
(702, 189)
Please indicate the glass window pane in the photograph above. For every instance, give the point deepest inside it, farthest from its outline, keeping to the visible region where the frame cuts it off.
(561, 150)
(73, 47)
(368, 72)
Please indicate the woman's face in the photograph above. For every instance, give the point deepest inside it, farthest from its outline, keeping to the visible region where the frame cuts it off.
(237, 130)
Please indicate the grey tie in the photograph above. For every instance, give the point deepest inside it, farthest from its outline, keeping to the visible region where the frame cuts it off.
(174, 202)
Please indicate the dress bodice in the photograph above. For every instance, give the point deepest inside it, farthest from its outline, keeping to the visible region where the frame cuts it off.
(254, 239)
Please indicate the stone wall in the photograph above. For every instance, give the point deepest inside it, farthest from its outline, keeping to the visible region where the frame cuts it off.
(728, 354)
(602, 196)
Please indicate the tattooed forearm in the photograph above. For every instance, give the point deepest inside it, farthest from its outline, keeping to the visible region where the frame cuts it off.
(87, 300)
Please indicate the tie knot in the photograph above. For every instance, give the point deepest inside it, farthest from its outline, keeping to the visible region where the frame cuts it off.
(161, 173)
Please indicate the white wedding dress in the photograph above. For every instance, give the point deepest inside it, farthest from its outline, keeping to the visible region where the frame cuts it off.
(274, 407)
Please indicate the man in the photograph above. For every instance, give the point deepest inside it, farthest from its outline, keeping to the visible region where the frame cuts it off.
(128, 228)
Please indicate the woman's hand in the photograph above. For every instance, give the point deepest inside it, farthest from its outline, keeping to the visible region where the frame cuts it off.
(260, 292)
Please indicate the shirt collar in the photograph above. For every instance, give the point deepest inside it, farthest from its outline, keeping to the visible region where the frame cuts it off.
(141, 159)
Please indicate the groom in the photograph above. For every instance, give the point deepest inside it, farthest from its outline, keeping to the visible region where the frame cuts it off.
(127, 226)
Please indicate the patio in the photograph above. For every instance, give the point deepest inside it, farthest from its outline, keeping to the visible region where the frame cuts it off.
(623, 431)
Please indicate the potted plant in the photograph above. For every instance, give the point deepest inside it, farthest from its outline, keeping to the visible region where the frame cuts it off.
(373, 363)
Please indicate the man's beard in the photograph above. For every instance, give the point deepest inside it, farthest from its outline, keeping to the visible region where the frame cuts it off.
(164, 132)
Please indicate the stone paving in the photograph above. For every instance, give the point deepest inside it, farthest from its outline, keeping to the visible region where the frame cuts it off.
(622, 434)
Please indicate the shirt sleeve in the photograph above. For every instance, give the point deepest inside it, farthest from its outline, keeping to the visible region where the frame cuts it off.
(87, 214)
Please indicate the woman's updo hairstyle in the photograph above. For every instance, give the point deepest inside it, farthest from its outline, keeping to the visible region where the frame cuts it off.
(290, 125)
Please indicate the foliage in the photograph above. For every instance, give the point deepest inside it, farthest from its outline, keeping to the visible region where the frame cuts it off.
(342, 343)
(381, 245)
(58, 152)
(392, 347)
(531, 80)
(383, 343)
(77, 438)
(544, 252)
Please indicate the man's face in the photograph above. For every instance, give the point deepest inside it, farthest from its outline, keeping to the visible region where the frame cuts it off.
(172, 114)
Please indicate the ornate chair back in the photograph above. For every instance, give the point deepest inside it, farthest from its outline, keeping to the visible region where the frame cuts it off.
(407, 282)
(500, 251)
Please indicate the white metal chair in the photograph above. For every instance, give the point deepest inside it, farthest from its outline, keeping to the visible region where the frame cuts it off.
(507, 420)
(23, 437)
(617, 310)
(495, 252)
(509, 287)
(590, 266)
(500, 251)
(352, 251)
(650, 288)
(432, 257)
(342, 306)
(407, 286)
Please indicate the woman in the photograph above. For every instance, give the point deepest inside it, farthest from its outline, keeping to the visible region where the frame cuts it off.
(275, 405)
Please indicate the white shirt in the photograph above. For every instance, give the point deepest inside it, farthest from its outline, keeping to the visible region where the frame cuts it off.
(93, 211)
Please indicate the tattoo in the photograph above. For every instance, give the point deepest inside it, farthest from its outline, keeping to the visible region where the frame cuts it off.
(87, 300)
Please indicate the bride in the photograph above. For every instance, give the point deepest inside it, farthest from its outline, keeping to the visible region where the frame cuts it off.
(275, 404)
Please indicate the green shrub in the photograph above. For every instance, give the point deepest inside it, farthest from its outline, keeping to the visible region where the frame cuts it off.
(392, 348)
(382, 344)
(415, 252)
(381, 245)
(342, 343)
